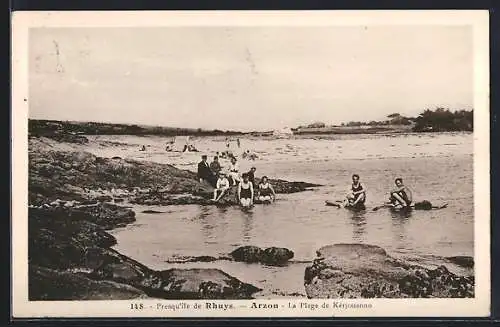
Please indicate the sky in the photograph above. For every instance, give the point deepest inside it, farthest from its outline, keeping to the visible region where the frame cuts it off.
(247, 78)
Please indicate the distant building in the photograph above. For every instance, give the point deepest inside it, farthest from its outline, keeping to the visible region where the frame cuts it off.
(286, 131)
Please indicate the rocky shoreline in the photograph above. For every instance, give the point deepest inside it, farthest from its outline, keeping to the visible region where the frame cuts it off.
(367, 271)
(73, 200)
(76, 197)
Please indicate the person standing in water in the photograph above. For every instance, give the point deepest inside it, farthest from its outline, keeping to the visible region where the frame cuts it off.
(266, 190)
(357, 193)
(245, 192)
(238, 142)
(401, 195)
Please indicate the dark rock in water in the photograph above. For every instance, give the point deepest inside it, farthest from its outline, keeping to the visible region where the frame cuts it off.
(248, 254)
(282, 186)
(276, 256)
(152, 211)
(204, 284)
(367, 271)
(202, 258)
(270, 256)
(423, 205)
(47, 284)
(462, 260)
(116, 158)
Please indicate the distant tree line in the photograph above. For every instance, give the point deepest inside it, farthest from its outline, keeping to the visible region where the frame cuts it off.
(438, 120)
(50, 127)
(443, 120)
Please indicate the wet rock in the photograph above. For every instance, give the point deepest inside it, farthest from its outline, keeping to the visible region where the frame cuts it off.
(152, 211)
(204, 284)
(367, 271)
(270, 256)
(463, 261)
(276, 256)
(48, 284)
(248, 254)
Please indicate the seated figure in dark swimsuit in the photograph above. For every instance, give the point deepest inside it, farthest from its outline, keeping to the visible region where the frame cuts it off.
(266, 191)
(401, 195)
(245, 192)
(357, 194)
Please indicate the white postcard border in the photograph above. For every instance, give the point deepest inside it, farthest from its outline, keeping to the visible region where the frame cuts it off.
(21, 307)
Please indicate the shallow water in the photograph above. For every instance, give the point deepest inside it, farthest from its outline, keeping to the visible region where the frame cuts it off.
(438, 167)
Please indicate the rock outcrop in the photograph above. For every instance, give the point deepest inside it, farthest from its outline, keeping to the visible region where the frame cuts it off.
(48, 284)
(367, 271)
(81, 176)
(272, 256)
(70, 258)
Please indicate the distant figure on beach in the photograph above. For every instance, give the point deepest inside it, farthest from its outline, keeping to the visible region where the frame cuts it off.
(204, 172)
(221, 187)
(227, 143)
(401, 195)
(238, 142)
(251, 176)
(357, 193)
(266, 190)
(215, 166)
(143, 148)
(245, 192)
(234, 171)
(170, 146)
(248, 155)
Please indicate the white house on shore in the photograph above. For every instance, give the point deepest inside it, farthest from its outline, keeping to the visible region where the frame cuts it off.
(286, 131)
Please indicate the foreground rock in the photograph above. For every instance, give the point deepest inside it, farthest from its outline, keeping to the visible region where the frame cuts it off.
(48, 284)
(70, 258)
(204, 284)
(367, 271)
(272, 256)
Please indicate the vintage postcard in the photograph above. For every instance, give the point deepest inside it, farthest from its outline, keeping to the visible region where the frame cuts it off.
(250, 164)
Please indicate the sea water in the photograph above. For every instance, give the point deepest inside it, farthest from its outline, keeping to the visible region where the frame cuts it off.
(438, 168)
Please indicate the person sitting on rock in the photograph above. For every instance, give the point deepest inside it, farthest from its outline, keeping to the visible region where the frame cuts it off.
(234, 171)
(356, 196)
(221, 187)
(204, 172)
(401, 195)
(245, 192)
(266, 190)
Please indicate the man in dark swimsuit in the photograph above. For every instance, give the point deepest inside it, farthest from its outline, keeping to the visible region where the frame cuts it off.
(401, 195)
(357, 193)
